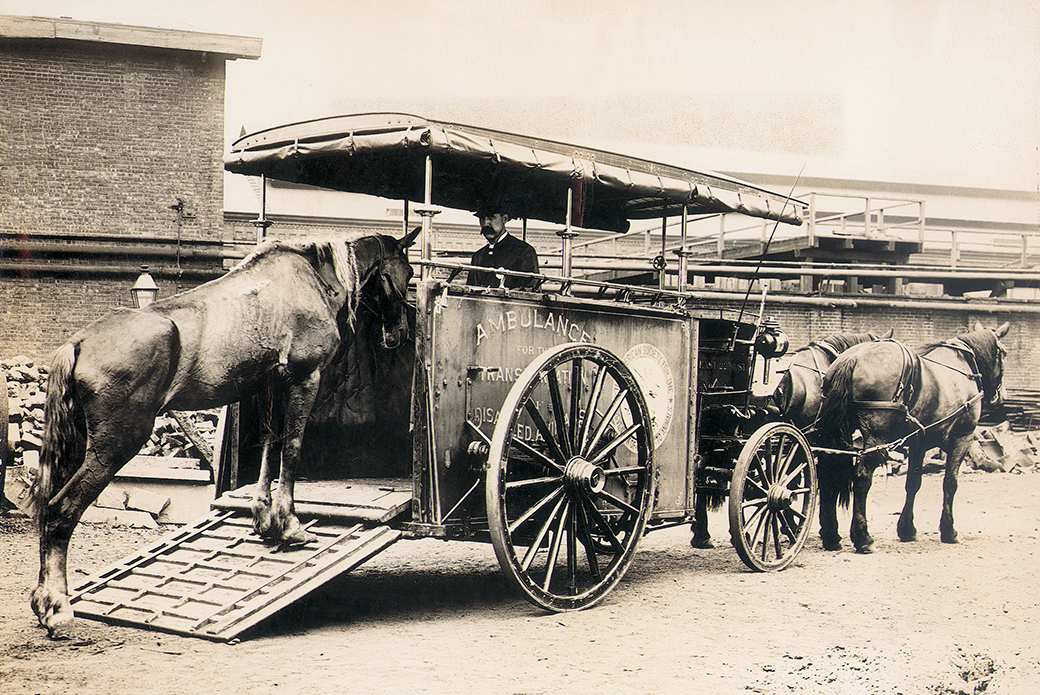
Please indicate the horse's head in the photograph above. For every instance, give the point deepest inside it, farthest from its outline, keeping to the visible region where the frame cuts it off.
(989, 356)
(384, 272)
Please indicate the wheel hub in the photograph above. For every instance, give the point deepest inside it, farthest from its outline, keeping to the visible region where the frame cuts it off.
(581, 475)
(779, 497)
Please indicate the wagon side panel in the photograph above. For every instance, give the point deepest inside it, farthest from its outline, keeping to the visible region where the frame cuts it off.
(476, 344)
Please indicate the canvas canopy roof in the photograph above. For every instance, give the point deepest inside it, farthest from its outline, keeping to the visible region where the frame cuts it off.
(384, 154)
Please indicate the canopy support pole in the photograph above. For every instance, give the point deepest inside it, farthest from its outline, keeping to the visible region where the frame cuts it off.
(662, 275)
(567, 235)
(427, 214)
(683, 252)
(262, 223)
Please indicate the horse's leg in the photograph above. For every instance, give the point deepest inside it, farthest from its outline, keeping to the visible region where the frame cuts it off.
(830, 478)
(268, 401)
(118, 443)
(862, 477)
(915, 461)
(701, 536)
(954, 455)
(298, 404)
(263, 519)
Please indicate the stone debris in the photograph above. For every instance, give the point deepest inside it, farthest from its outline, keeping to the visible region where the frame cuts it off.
(185, 440)
(998, 448)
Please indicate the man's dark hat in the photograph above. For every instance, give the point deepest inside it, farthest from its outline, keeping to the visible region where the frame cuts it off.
(489, 209)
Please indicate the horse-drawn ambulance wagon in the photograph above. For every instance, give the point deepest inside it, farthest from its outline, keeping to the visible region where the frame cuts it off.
(560, 424)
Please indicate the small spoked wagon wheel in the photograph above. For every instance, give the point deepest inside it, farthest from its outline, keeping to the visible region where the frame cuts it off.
(571, 479)
(772, 497)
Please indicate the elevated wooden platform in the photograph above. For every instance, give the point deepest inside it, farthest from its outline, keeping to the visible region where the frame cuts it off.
(370, 500)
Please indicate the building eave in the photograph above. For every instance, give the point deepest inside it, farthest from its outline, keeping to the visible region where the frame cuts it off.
(230, 46)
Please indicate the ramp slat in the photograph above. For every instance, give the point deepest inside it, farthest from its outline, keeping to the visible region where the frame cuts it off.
(215, 578)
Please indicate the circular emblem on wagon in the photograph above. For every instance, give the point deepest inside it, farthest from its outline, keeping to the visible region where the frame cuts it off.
(654, 376)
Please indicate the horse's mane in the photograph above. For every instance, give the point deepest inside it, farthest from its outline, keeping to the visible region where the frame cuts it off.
(840, 342)
(338, 251)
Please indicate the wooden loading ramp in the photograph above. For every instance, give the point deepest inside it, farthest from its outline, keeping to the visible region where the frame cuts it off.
(215, 578)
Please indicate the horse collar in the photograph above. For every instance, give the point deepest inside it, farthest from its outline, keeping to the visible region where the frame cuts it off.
(961, 346)
(828, 349)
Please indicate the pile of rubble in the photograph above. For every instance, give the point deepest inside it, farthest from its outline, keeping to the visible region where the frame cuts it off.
(998, 448)
(26, 394)
(179, 440)
(994, 448)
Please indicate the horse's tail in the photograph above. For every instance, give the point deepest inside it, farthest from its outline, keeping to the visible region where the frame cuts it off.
(837, 401)
(60, 444)
(834, 421)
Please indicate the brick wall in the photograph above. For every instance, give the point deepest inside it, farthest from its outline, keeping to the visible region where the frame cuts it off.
(103, 139)
(98, 141)
(38, 314)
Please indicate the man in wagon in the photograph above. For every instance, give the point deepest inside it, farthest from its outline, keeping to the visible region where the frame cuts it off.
(503, 250)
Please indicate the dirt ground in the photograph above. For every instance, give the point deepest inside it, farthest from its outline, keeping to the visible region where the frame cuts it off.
(429, 616)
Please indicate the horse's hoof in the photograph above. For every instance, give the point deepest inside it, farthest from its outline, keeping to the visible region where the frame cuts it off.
(949, 538)
(298, 537)
(865, 549)
(60, 628)
(832, 545)
(297, 534)
(56, 616)
(907, 532)
(264, 527)
(701, 543)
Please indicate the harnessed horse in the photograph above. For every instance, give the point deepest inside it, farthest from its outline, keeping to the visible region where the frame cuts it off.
(798, 397)
(883, 396)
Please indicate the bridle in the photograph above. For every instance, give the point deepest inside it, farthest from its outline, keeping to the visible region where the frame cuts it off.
(393, 295)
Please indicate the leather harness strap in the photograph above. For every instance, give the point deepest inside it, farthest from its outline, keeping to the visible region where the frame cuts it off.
(969, 354)
(909, 372)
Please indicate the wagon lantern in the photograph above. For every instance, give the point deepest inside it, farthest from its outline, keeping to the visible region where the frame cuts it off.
(771, 342)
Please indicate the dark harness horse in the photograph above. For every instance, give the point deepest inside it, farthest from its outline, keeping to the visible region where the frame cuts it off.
(267, 328)
(883, 396)
(797, 397)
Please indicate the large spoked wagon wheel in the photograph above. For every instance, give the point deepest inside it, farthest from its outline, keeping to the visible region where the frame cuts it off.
(571, 478)
(772, 497)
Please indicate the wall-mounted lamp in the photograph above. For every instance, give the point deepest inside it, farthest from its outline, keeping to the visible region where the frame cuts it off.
(144, 290)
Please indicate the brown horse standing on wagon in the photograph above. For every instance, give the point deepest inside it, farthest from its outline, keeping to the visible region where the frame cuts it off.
(879, 396)
(268, 328)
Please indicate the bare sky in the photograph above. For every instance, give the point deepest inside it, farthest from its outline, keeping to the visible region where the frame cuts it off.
(915, 91)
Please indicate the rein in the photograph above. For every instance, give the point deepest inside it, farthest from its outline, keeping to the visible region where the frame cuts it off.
(921, 429)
